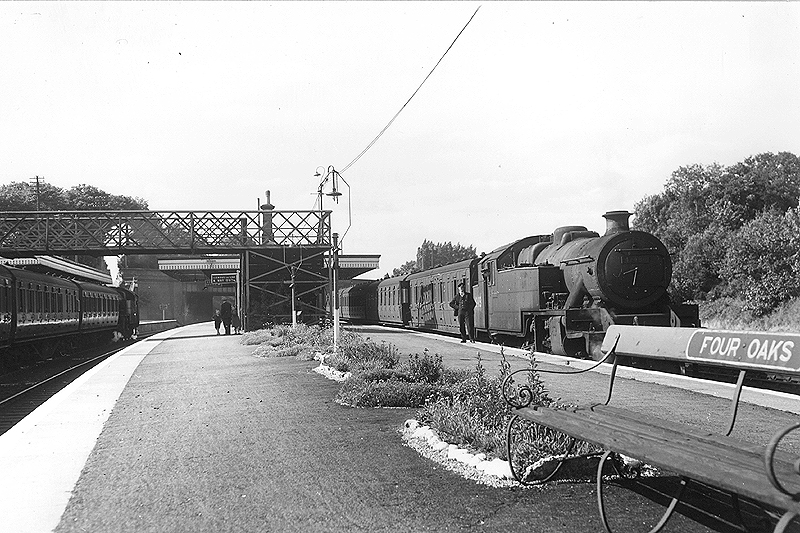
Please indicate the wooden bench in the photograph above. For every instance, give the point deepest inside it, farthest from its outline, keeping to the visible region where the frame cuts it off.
(762, 474)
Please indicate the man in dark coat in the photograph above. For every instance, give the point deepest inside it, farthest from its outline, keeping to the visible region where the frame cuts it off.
(226, 311)
(463, 304)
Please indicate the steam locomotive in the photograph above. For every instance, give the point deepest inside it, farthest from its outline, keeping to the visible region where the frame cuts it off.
(37, 310)
(556, 293)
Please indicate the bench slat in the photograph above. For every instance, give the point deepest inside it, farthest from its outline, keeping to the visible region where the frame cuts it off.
(716, 449)
(716, 460)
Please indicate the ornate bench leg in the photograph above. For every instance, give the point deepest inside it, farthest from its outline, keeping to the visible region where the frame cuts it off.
(517, 476)
(784, 522)
(601, 503)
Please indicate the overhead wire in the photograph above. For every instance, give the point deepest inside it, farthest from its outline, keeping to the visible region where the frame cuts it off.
(364, 151)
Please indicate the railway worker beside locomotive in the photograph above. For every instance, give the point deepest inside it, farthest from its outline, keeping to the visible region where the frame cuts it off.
(463, 304)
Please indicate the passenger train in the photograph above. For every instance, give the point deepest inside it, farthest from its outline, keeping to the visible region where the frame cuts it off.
(39, 309)
(557, 293)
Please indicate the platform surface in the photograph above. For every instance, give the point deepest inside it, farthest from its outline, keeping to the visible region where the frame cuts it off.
(188, 431)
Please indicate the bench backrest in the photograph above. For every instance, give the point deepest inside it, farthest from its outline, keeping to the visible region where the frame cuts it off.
(742, 350)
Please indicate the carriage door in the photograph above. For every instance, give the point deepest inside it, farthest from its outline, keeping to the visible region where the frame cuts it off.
(488, 279)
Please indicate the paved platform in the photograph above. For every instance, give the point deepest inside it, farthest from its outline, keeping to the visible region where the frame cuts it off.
(187, 431)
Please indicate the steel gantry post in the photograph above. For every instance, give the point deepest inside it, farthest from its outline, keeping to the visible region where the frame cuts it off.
(335, 292)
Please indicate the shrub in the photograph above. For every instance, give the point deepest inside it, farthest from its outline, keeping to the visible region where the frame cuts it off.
(358, 355)
(358, 392)
(423, 368)
(763, 261)
(472, 410)
(300, 341)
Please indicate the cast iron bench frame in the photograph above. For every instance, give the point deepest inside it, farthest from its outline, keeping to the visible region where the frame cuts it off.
(713, 459)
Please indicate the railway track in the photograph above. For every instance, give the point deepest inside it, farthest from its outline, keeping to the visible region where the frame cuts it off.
(22, 391)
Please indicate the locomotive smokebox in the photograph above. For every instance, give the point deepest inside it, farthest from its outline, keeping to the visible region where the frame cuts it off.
(616, 222)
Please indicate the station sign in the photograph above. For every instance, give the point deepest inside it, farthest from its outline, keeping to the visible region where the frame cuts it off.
(223, 279)
(773, 351)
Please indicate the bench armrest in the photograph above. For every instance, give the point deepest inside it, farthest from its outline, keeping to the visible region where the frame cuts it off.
(522, 396)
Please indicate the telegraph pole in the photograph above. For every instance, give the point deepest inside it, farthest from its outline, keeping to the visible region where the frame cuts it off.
(37, 180)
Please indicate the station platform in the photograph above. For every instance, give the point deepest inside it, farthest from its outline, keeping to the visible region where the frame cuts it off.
(149, 327)
(188, 431)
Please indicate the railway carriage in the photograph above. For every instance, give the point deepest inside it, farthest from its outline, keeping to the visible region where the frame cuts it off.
(392, 296)
(100, 307)
(6, 305)
(38, 307)
(359, 303)
(45, 306)
(431, 292)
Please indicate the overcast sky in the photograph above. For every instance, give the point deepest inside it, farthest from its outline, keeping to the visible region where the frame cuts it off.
(541, 115)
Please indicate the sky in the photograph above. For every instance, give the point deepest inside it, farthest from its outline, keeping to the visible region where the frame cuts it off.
(540, 115)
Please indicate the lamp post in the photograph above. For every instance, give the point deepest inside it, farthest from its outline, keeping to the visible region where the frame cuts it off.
(335, 260)
(330, 174)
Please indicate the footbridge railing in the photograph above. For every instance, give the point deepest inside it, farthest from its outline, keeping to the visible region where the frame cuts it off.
(142, 232)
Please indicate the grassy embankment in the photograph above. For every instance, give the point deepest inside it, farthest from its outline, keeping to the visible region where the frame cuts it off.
(465, 407)
(726, 313)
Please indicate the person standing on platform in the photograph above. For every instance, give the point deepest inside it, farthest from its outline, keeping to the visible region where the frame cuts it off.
(463, 304)
(226, 311)
(235, 322)
(217, 320)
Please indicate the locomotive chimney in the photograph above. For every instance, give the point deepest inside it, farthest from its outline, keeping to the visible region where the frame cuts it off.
(617, 221)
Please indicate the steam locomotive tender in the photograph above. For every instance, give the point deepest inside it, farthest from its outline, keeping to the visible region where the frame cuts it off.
(557, 293)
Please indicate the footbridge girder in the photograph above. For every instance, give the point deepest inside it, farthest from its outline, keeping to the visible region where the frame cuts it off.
(24, 234)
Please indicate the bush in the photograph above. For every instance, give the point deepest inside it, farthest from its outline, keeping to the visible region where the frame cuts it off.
(763, 261)
(472, 410)
(300, 341)
(423, 368)
(359, 355)
(358, 392)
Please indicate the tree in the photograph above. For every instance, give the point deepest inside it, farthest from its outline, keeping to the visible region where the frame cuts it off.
(763, 263)
(21, 196)
(702, 214)
(406, 268)
(90, 198)
(431, 254)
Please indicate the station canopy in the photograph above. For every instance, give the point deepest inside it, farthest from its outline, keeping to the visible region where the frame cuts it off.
(59, 266)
